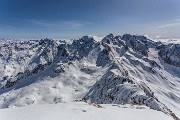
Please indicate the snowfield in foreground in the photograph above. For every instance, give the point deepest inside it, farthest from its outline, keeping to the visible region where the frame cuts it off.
(81, 111)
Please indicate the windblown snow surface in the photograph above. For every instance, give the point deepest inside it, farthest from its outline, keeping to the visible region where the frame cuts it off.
(82, 111)
(128, 69)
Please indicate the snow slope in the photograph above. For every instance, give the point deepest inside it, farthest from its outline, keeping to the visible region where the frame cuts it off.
(126, 69)
(81, 111)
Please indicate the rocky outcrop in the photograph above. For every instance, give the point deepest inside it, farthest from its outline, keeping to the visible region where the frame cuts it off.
(170, 54)
(138, 43)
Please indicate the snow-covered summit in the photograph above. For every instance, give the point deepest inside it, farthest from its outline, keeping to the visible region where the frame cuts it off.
(117, 69)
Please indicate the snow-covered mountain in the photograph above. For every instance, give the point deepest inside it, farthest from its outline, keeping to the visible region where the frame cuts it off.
(128, 69)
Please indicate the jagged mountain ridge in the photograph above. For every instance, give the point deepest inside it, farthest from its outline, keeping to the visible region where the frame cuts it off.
(118, 69)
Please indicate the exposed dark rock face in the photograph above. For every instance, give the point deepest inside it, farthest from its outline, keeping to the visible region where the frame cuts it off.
(170, 54)
(80, 48)
(138, 43)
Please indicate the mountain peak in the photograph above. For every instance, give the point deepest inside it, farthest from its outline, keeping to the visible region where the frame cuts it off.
(110, 36)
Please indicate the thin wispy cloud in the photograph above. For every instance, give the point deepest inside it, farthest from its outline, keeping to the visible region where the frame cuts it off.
(6, 26)
(69, 24)
(174, 23)
(165, 29)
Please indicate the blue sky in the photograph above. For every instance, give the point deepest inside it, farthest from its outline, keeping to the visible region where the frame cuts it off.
(75, 18)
